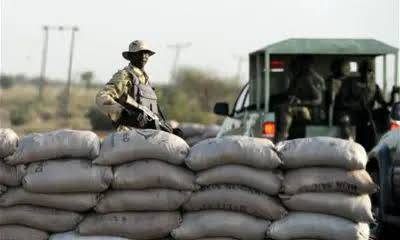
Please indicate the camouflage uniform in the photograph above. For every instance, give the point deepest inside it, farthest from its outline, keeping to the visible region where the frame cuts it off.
(306, 86)
(357, 99)
(123, 82)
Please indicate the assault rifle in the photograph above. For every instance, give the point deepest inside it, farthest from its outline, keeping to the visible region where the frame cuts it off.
(144, 115)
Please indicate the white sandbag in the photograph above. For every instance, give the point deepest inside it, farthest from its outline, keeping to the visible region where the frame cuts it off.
(141, 200)
(328, 180)
(72, 235)
(322, 151)
(352, 207)
(191, 129)
(392, 140)
(194, 140)
(3, 189)
(238, 199)
(152, 174)
(211, 131)
(63, 143)
(11, 175)
(47, 219)
(67, 176)
(8, 142)
(255, 152)
(65, 201)
(135, 225)
(266, 181)
(213, 223)
(138, 144)
(317, 226)
(17, 232)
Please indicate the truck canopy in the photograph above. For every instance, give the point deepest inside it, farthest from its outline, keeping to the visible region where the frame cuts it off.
(329, 46)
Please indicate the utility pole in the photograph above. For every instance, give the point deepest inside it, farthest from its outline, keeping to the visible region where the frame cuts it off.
(71, 55)
(241, 60)
(178, 47)
(44, 61)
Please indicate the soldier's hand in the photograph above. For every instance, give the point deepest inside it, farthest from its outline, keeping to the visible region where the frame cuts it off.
(293, 100)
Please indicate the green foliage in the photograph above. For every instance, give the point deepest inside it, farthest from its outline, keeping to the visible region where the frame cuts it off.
(87, 78)
(6, 81)
(192, 97)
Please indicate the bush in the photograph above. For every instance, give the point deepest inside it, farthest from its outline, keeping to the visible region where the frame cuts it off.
(6, 81)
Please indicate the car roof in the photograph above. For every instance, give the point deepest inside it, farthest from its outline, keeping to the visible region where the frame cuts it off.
(329, 46)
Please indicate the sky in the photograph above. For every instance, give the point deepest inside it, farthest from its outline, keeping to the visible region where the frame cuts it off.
(219, 31)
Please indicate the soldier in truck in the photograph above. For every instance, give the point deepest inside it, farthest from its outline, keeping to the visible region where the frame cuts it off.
(304, 93)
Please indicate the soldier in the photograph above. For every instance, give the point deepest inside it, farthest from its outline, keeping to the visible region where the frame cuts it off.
(132, 83)
(304, 93)
(356, 101)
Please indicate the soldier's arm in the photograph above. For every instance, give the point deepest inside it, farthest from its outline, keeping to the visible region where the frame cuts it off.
(106, 98)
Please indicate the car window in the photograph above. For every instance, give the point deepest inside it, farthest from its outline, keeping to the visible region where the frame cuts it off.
(243, 99)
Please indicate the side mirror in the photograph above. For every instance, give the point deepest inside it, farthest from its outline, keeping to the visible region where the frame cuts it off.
(395, 114)
(221, 108)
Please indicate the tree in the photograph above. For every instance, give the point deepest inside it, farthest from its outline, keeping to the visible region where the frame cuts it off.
(87, 78)
(6, 81)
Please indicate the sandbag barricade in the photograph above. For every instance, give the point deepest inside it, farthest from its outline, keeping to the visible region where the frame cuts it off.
(149, 187)
(51, 181)
(239, 187)
(326, 189)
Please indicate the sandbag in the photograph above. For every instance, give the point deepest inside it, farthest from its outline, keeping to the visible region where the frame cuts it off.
(66, 201)
(266, 181)
(352, 207)
(392, 140)
(191, 129)
(63, 143)
(328, 180)
(46, 219)
(135, 225)
(194, 140)
(17, 232)
(72, 235)
(3, 189)
(8, 142)
(255, 152)
(213, 223)
(67, 176)
(322, 152)
(317, 226)
(152, 174)
(11, 175)
(141, 200)
(211, 131)
(238, 199)
(138, 144)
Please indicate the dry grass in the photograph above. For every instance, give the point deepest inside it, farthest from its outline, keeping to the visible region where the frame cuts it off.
(21, 101)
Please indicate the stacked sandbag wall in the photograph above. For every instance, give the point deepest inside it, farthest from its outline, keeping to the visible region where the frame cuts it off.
(326, 190)
(149, 186)
(239, 187)
(58, 183)
(196, 132)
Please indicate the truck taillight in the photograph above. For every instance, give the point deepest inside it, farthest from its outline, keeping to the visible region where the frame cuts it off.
(394, 125)
(269, 129)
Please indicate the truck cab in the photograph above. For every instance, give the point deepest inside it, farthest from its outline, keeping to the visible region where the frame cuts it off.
(255, 110)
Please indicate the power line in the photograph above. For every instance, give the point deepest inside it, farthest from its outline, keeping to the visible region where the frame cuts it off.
(240, 61)
(178, 47)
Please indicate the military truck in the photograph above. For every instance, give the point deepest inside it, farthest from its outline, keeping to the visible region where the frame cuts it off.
(254, 112)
